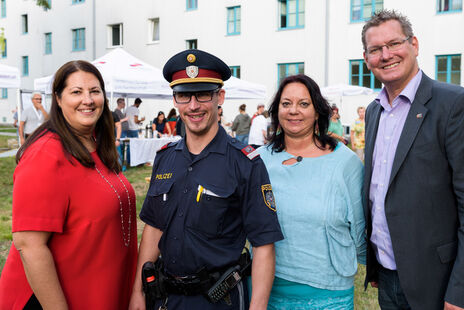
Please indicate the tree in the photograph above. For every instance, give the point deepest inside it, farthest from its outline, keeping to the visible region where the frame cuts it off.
(44, 3)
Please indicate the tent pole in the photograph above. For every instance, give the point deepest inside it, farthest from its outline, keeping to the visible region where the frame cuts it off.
(18, 109)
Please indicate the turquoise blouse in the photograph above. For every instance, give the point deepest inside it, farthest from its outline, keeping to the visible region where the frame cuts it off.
(319, 206)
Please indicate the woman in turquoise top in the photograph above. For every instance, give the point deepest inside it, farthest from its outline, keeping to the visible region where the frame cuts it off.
(335, 129)
(317, 184)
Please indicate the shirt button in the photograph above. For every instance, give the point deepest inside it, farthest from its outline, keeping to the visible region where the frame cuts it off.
(384, 161)
(391, 115)
(185, 191)
(173, 261)
(190, 169)
(175, 238)
(387, 138)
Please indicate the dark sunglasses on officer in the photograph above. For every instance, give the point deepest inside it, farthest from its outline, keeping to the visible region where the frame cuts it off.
(200, 96)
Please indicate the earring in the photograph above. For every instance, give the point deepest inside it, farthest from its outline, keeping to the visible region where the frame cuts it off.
(316, 129)
(279, 130)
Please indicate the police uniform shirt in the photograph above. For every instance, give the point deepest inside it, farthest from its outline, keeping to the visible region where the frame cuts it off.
(207, 206)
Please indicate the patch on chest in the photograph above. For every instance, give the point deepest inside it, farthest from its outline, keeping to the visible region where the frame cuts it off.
(268, 196)
(163, 176)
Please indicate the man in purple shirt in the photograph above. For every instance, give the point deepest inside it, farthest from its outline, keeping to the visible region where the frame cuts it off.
(414, 182)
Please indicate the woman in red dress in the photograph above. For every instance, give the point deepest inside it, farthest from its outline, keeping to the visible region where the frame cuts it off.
(171, 122)
(74, 222)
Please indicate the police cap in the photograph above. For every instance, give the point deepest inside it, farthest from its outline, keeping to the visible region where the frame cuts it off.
(195, 70)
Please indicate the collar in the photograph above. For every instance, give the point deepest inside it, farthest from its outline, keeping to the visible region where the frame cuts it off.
(408, 93)
(217, 145)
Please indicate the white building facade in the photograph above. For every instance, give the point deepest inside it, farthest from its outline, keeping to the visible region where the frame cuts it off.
(262, 40)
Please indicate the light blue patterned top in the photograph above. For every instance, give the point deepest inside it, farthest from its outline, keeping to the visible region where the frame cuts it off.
(319, 206)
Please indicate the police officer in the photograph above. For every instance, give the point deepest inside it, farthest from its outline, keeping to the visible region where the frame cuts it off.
(208, 193)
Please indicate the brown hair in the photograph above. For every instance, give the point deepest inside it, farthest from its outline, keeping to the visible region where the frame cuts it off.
(104, 129)
(321, 106)
(383, 16)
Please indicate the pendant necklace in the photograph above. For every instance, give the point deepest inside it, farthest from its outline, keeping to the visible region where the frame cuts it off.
(126, 242)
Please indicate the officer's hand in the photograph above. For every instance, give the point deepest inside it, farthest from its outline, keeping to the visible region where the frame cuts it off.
(137, 301)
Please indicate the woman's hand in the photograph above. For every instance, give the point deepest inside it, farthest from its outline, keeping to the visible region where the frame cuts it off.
(137, 301)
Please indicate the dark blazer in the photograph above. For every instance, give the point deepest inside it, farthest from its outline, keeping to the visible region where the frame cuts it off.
(424, 204)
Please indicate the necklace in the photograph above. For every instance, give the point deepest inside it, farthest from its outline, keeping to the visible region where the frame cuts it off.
(126, 242)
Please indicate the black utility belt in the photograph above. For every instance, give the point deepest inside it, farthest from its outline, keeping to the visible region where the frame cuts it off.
(158, 284)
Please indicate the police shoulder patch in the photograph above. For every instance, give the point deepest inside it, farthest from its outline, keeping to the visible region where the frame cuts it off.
(268, 196)
(250, 152)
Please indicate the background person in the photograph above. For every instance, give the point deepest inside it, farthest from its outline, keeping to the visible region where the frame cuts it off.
(117, 128)
(241, 125)
(215, 194)
(357, 131)
(259, 111)
(317, 184)
(223, 121)
(32, 117)
(414, 182)
(133, 121)
(171, 123)
(258, 131)
(335, 126)
(119, 111)
(159, 125)
(74, 223)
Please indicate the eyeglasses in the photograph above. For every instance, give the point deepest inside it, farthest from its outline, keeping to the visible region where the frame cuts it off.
(200, 96)
(391, 46)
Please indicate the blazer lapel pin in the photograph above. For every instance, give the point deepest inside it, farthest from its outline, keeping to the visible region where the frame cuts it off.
(419, 115)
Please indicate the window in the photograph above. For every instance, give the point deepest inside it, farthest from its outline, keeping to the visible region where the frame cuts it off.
(3, 8)
(192, 44)
(361, 76)
(448, 69)
(233, 20)
(115, 35)
(192, 4)
(235, 71)
(153, 30)
(4, 49)
(288, 69)
(77, 1)
(48, 43)
(362, 10)
(24, 23)
(4, 93)
(291, 13)
(449, 5)
(25, 67)
(78, 39)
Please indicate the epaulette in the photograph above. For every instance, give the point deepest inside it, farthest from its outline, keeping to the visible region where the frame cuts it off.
(250, 152)
(166, 146)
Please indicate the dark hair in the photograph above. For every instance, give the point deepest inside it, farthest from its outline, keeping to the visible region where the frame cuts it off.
(383, 16)
(242, 107)
(157, 118)
(120, 101)
(172, 114)
(138, 101)
(104, 129)
(334, 107)
(277, 141)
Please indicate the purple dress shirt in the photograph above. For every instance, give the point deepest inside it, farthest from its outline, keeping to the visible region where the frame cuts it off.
(391, 125)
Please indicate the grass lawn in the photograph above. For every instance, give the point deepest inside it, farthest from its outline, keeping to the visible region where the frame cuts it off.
(364, 300)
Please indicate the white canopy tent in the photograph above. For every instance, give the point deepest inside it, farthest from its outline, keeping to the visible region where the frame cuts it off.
(348, 98)
(127, 76)
(10, 78)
